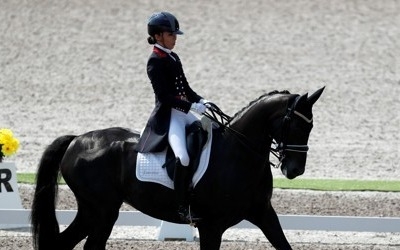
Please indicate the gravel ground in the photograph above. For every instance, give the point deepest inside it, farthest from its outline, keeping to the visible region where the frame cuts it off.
(375, 204)
(380, 204)
(73, 66)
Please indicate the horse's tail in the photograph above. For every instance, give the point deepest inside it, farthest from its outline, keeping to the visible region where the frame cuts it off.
(45, 226)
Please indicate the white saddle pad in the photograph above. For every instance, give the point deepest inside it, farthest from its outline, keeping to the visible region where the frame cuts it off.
(149, 165)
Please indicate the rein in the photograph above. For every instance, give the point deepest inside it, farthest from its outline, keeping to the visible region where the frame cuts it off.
(223, 120)
(278, 150)
(217, 115)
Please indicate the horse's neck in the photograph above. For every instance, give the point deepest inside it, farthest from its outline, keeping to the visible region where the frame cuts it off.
(251, 133)
(256, 120)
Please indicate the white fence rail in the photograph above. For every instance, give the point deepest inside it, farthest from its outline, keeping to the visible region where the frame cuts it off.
(288, 222)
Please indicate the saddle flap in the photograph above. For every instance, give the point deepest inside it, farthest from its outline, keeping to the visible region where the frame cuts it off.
(152, 167)
(196, 138)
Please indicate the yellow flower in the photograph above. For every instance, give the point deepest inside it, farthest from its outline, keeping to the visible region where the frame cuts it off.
(8, 144)
(6, 131)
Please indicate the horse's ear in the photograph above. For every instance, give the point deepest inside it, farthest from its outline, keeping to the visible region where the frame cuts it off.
(303, 99)
(314, 97)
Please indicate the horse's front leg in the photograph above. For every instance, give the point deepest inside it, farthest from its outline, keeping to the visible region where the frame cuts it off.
(265, 217)
(210, 236)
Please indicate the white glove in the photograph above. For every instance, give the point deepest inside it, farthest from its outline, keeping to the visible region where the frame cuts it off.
(199, 108)
(203, 101)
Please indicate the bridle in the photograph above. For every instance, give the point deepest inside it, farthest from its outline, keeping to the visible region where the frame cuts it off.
(278, 149)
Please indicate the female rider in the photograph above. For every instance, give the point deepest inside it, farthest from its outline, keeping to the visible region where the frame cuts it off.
(175, 103)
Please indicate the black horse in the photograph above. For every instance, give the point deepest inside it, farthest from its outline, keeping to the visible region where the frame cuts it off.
(99, 167)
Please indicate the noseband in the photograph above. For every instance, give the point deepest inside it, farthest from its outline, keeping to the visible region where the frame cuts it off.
(281, 148)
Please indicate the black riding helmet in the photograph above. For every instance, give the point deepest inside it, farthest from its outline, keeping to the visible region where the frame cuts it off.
(161, 22)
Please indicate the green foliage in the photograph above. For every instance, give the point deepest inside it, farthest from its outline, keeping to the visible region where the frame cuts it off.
(29, 178)
(338, 185)
(305, 184)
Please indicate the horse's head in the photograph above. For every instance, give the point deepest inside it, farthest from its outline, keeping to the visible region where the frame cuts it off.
(292, 137)
(281, 116)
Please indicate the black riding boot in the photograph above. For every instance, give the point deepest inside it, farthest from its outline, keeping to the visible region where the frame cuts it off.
(182, 179)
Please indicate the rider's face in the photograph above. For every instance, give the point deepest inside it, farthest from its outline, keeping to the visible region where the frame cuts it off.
(166, 39)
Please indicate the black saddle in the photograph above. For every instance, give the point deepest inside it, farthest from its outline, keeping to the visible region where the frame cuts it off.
(196, 138)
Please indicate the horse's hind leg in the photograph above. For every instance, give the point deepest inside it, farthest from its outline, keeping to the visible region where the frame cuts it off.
(265, 217)
(96, 223)
(103, 222)
(76, 231)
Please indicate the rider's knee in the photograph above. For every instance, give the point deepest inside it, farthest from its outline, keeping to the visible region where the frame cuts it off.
(184, 158)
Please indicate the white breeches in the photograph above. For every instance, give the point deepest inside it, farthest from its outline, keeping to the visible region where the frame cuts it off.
(177, 133)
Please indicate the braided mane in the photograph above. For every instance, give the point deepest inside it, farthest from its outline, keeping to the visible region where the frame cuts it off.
(263, 96)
